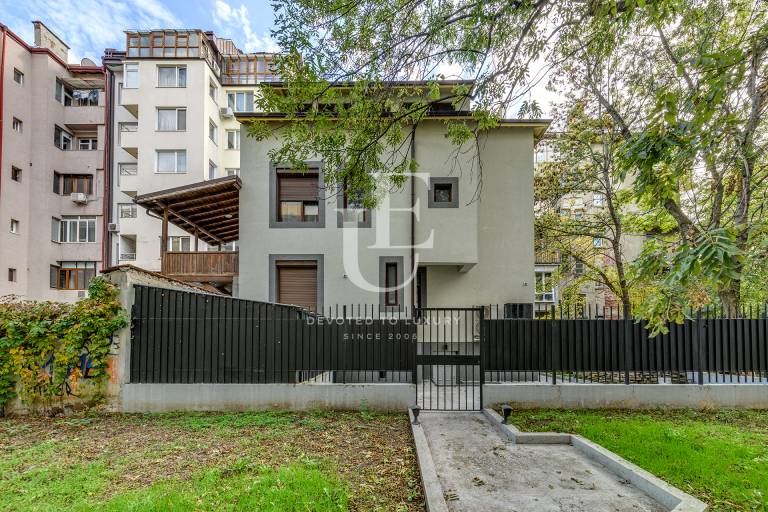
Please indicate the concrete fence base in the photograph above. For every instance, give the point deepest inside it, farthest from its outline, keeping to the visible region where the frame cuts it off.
(244, 397)
(633, 396)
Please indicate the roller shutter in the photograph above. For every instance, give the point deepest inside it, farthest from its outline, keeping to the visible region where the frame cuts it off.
(297, 284)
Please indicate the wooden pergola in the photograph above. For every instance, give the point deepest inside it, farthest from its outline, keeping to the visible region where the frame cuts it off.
(209, 211)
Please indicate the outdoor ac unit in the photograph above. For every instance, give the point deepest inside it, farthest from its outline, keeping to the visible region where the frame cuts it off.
(113, 227)
(79, 197)
(226, 112)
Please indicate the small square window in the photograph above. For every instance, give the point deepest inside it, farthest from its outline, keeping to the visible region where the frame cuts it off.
(443, 193)
(12, 275)
(15, 174)
(18, 76)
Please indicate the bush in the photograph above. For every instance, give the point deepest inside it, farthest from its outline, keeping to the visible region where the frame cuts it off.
(47, 348)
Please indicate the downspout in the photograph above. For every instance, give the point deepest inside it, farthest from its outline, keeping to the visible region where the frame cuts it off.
(413, 219)
(106, 246)
(2, 88)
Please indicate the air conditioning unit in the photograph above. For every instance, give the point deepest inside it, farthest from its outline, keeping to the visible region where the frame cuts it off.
(113, 227)
(79, 197)
(226, 112)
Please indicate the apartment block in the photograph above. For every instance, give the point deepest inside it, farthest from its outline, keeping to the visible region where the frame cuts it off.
(52, 182)
(176, 93)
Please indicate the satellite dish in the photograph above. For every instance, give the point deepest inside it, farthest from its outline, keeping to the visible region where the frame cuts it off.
(87, 62)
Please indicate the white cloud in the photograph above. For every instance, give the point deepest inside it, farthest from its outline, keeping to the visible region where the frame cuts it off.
(89, 26)
(227, 19)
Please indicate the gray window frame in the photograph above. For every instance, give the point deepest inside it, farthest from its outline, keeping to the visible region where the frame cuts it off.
(340, 212)
(450, 180)
(400, 262)
(274, 203)
(274, 259)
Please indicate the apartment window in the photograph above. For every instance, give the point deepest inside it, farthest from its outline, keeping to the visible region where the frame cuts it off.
(179, 243)
(171, 161)
(213, 91)
(578, 268)
(599, 199)
(65, 184)
(545, 288)
(171, 76)
(87, 144)
(240, 101)
(16, 174)
(131, 76)
(212, 130)
(63, 93)
(171, 119)
(443, 193)
(72, 275)
(211, 170)
(127, 169)
(127, 210)
(230, 171)
(18, 76)
(14, 226)
(17, 125)
(55, 229)
(391, 280)
(77, 230)
(351, 208)
(62, 139)
(12, 275)
(598, 242)
(298, 199)
(233, 139)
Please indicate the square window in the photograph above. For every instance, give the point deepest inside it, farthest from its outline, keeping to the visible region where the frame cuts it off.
(15, 174)
(443, 193)
(298, 198)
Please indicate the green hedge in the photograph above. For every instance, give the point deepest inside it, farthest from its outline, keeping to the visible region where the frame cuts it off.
(42, 343)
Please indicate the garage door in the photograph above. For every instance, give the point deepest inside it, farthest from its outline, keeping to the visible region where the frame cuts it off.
(297, 283)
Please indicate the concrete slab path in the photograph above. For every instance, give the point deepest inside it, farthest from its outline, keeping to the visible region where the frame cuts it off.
(480, 470)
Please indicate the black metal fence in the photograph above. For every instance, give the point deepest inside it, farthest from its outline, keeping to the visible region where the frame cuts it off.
(185, 337)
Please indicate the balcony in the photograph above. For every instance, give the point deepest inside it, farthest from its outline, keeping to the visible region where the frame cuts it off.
(129, 138)
(201, 266)
(129, 98)
(80, 160)
(79, 118)
(543, 257)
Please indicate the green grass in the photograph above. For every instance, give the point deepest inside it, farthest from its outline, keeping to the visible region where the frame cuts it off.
(260, 461)
(722, 457)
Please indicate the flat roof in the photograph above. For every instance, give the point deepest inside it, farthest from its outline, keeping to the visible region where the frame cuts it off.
(210, 208)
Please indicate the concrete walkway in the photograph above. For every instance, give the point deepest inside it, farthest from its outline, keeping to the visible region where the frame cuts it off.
(479, 470)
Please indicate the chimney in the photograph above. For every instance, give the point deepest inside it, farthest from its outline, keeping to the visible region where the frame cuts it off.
(45, 38)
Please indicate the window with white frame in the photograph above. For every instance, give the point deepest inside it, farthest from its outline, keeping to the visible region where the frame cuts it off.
(212, 131)
(240, 101)
(211, 170)
(232, 171)
(171, 119)
(233, 139)
(599, 199)
(62, 139)
(18, 76)
(179, 243)
(127, 210)
(171, 76)
(171, 161)
(598, 242)
(545, 287)
(130, 76)
(213, 91)
(77, 230)
(87, 143)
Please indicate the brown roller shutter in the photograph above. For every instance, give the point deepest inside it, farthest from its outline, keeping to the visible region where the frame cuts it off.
(297, 187)
(297, 284)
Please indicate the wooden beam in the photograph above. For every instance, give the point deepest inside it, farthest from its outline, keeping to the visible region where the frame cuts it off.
(203, 231)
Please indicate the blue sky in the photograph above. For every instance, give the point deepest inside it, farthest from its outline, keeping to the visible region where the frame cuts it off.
(89, 26)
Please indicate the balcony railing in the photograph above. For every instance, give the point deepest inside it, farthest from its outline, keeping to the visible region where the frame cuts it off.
(547, 258)
(127, 256)
(201, 266)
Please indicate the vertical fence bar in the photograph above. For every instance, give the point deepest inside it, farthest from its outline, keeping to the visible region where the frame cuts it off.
(553, 333)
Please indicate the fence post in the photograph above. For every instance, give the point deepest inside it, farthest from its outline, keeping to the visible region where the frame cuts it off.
(697, 333)
(627, 326)
(552, 338)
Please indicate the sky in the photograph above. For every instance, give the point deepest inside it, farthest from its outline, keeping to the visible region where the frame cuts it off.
(89, 26)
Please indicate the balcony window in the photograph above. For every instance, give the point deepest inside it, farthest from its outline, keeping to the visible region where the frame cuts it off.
(65, 184)
(171, 76)
(171, 119)
(72, 275)
(240, 101)
(77, 230)
(171, 161)
(179, 243)
(131, 76)
(127, 210)
(87, 144)
(62, 139)
(233, 139)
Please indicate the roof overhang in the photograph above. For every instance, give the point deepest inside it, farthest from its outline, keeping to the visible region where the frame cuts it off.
(210, 209)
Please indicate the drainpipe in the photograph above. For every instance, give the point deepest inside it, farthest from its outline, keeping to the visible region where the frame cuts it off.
(106, 245)
(413, 219)
(2, 88)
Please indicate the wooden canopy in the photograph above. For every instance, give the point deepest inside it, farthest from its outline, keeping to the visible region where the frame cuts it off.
(209, 209)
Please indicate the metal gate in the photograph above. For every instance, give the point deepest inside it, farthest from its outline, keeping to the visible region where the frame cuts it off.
(449, 374)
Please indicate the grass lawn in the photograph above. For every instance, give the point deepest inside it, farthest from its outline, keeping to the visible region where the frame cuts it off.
(719, 457)
(265, 461)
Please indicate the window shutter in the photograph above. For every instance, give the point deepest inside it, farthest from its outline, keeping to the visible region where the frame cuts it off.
(298, 188)
(297, 284)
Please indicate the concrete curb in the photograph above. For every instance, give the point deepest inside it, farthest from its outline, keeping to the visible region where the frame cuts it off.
(667, 495)
(433, 489)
